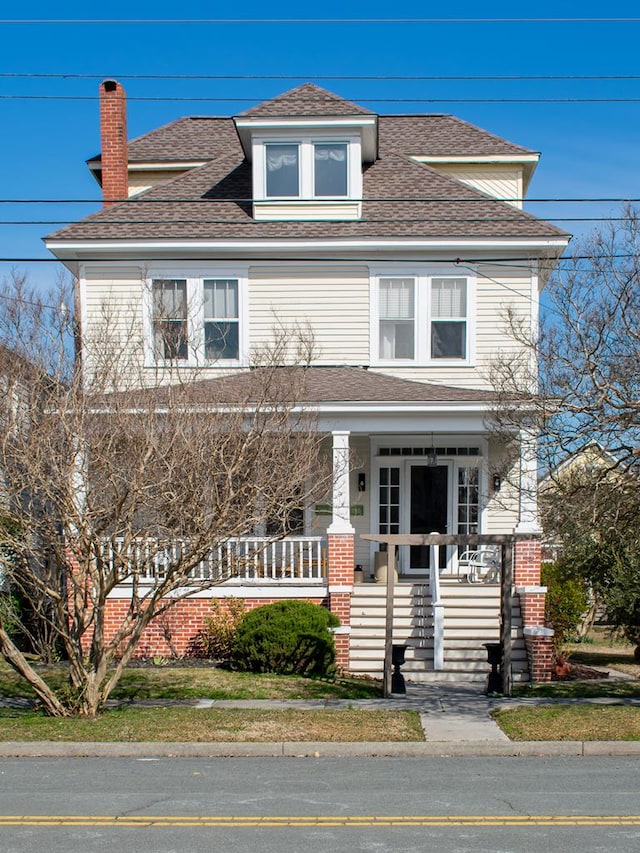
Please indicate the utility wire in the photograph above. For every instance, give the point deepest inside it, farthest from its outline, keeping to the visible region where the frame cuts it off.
(349, 77)
(206, 99)
(386, 199)
(306, 21)
(366, 220)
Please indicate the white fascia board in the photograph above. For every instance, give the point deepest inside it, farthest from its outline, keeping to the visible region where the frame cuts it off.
(160, 166)
(302, 246)
(366, 125)
(480, 158)
(152, 165)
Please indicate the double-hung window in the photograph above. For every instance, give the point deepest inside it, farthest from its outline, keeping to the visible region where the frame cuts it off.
(198, 319)
(448, 318)
(397, 318)
(421, 318)
(221, 318)
(170, 319)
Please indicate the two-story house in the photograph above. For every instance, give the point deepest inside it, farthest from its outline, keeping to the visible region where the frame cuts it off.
(401, 243)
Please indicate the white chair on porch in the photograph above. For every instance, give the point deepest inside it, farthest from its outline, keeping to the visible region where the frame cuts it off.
(481, 565)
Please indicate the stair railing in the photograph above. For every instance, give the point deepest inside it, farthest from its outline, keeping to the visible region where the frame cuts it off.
(438, 609)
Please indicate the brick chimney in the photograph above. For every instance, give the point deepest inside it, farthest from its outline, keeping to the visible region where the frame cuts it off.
(113, 136)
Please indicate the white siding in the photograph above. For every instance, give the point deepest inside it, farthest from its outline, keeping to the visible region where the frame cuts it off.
(332, 301)
(503, 182)
(142, 180)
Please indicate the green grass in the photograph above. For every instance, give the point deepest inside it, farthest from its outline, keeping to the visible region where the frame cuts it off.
(134, 724)
(201, 682)
(585, 722)
(580, 689)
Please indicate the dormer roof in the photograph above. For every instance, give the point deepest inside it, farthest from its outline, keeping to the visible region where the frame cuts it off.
(306, 100)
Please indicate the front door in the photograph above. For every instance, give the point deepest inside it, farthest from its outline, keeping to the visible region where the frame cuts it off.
(428, 511)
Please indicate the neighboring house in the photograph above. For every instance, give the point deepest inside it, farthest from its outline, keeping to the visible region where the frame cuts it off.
(589, 490)
(401, 242)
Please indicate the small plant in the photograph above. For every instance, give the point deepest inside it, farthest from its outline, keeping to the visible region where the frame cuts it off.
(215, 639)
(287, 637)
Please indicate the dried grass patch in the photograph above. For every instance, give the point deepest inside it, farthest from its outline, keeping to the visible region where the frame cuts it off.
(570, 722)
(202, 725)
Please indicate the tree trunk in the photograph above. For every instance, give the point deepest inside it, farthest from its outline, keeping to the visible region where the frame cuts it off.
(17, 660)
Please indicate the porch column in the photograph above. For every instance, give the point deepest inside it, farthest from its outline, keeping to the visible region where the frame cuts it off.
(538, 638)
(340, 547)
(528, 507)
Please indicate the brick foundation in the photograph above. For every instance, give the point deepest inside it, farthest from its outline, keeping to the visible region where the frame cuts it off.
(175, 631)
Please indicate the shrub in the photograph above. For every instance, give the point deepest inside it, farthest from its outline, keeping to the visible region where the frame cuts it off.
(288, 637)
(216, 638)
(567, 601)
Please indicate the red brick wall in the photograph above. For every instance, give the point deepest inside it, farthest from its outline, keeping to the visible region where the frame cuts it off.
(527, 563)
(182, 622)
(340, 551)
(113, 135)
(541, 657)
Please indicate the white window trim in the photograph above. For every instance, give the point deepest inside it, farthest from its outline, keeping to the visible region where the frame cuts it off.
(306, 166)
(422, 317)
(195, 276)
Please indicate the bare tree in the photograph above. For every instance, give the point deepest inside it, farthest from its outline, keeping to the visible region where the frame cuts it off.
(576, 382)
(113, 480)
(576, 379)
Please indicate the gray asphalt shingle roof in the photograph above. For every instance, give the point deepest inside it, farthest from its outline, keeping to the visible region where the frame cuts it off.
(402, 198)
(320, 385)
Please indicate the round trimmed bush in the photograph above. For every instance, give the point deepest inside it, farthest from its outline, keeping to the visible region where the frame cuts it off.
(287, 637)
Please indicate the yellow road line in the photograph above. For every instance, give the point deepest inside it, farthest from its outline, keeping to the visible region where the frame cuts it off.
(318, 820)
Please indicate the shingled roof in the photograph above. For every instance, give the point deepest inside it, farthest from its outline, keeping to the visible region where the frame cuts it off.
(306, 100)
(316, 386)
(401, 198)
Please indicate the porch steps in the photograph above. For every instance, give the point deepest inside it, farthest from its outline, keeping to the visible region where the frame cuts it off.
(471, 618)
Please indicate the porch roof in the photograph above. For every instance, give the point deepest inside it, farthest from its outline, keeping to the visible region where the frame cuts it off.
(320, 384)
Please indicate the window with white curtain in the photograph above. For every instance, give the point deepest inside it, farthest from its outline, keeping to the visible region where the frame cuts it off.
(330, 168)
(306, 168)
(283, 173)
(396, 299)
(421, 318)
(448, 318)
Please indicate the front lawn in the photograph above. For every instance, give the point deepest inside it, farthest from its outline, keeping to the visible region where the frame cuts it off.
(570, 722)
(128, 724)
(201, 682)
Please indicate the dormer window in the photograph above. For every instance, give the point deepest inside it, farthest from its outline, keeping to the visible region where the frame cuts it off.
(306, 169)
(312, 177)
(330, 169)
(282, 170)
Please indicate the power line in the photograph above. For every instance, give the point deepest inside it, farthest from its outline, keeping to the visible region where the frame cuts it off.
(386, 199)
(307, 21)
(206, 99)
(365, 220)
(307, 76)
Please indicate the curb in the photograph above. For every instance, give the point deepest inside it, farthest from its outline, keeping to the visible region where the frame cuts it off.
(310, 749)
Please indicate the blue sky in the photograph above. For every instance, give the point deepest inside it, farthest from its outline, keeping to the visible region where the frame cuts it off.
(588, 149)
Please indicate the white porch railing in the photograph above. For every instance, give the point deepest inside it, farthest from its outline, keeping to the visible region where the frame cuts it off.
(252, 559)
(438, 609)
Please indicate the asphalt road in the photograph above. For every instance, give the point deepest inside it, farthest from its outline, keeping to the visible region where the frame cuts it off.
(361, 804)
